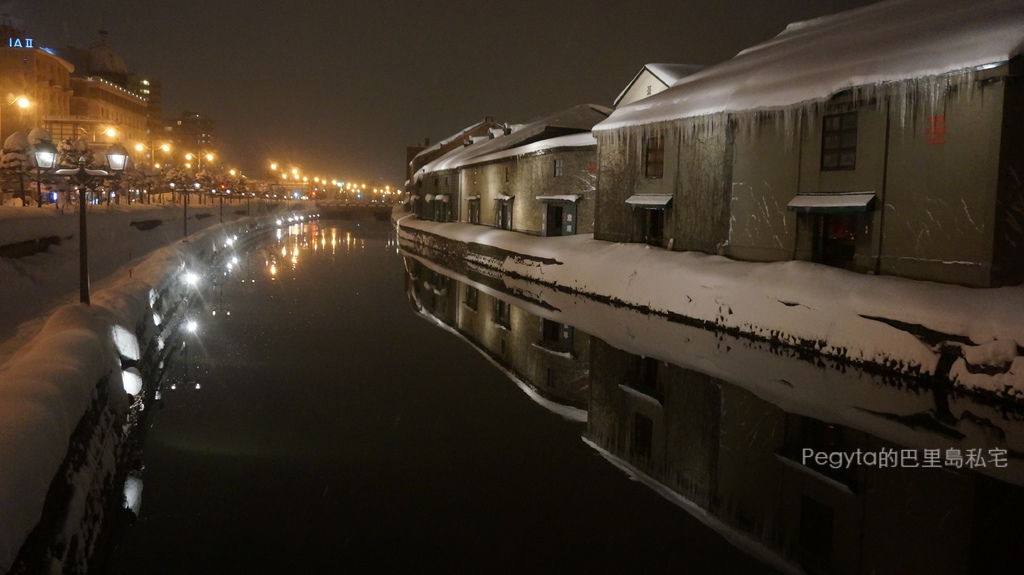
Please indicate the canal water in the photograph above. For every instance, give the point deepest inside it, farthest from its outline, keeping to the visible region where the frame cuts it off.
(314, 422)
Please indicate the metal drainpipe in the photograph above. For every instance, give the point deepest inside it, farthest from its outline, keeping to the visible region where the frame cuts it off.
(881, 199)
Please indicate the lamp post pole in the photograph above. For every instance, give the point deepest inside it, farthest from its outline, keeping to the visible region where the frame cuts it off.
(39, 186)
(82, 176)
(117, 159)
(83, 237)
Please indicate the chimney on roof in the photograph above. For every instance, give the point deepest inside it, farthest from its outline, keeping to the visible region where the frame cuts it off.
(489, 119)
(426, 142)
(507, 129)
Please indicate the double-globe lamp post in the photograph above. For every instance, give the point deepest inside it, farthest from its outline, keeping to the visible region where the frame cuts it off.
(117, 161)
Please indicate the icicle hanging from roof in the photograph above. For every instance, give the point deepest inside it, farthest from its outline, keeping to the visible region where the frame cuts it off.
(904, 53)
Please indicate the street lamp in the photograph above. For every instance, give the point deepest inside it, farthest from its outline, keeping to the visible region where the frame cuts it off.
(198, 158)
(117, 160)
(184, 203)
(184, 206)
(45, 154)
(208, 156)
(21, 102)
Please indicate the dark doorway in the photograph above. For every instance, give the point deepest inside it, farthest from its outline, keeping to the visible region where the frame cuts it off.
(835, 239)
(554, 220)
(651, 224)
(505, 214)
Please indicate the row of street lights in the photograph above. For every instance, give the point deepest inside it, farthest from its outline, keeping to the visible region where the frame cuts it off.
(294, 175)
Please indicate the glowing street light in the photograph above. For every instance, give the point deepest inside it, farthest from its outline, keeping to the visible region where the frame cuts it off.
(117, 160)
(189, 156)
(45, 154)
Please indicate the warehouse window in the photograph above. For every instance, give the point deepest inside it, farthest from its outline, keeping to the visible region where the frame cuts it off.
(839, 142)
(654, 157)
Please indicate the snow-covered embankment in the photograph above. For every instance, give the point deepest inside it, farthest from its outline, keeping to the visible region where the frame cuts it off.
(65, 397)
(972, 337)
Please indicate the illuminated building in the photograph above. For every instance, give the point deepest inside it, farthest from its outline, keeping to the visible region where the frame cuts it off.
(35, 74)
(102, 108)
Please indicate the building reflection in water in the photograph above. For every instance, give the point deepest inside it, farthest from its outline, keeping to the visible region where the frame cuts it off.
(809, 466)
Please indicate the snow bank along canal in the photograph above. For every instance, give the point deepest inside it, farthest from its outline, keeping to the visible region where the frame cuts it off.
(73, 395)
(970, 337)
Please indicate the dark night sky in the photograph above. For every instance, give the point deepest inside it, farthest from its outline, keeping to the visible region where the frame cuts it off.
(340, 88)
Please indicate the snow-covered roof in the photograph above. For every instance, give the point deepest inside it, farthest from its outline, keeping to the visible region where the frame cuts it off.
(580, 140)
(578, 118)
(668, 74)
(671, 73)
(460, 135)
(813, 60)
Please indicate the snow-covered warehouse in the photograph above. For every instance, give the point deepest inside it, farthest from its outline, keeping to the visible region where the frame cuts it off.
(537, 178)
(884, 139)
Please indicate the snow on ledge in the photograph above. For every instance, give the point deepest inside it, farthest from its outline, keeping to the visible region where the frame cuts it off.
(659, 200)
(560, 198)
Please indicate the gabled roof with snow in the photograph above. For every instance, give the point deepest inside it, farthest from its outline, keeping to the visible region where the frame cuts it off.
(460, 135)
(671, 73)
(580, 118)
(667, 74)
(816, 59)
